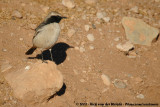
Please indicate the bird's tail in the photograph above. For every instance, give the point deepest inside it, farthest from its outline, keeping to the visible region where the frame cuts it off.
(30, 51)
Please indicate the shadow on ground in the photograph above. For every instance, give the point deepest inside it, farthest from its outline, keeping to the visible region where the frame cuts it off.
(58, 53)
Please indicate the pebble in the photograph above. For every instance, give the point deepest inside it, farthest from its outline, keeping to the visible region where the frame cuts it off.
(138, 80)
(76, 48)
(81, 49)
(27, 67)
(100, 15)
(90, 37)
(106, 79)
(82, 80)
(71, 32)
(132, 54)
(106, 19)
(119, 83)
(4, 50)
(86, 28)
(68, 3)
(125, 47)
(140, 96)
(20, 39)
(90, 1)
(91, 47)
(45, 9)
(134, 9)
(17, 14)
(93, 26)
(116, 39)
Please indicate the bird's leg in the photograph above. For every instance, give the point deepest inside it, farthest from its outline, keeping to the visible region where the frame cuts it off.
(43, 61)
(50, 50)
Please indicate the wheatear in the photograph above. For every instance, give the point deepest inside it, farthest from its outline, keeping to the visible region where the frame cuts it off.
(46, 34)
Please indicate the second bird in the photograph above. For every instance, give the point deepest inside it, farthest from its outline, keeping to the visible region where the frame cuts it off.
(46, 34)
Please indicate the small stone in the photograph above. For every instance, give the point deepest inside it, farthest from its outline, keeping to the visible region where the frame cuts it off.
(76, 48)
(71, 32)
(134, 9)
(81, 49)
(132, 54)
(86, 28)
(138, 32)
(117, 39)
(140, 96)
(93, 26)
(157, 0)
(32, 26)
(20, 39)
(106, 79)
(119, 83)
(5, 66)
(106, 19)
(125, 47)
(45, 9)
(90, 1)
(17, 14)
(82, 80)
(91, 47)
(4, 50)
(90, 37)
(27, 67)
(101, 15)
(68, 3)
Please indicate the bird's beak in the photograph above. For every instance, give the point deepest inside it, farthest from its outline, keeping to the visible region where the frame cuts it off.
(71, 47)
(64, 17)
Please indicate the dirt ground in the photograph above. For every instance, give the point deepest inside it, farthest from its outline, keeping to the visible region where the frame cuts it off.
(81, 66)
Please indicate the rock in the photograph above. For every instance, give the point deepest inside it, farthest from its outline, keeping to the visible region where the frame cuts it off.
(138, 32)
(106, 79)
(27, 67)
(45, 9)
(101, 15)
(119, 83)
(4, 50)
(17, 14)
(68, 3)
(90, 1)
(90, 37)
(157, 0)
(71, 32)
(81, 49)
(125, 47)
(140, 96)
(20, 39)
(91, 47)
(134, 9)
(116, 39)
(86, 28)
(5, 66)
(132, 54)
(106, 19)
(37, 84)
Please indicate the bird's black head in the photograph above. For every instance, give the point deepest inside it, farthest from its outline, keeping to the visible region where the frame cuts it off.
(54, 17)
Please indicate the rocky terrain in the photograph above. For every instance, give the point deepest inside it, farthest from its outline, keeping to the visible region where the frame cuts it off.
(115, 59)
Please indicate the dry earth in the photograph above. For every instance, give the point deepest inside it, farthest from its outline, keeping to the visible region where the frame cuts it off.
(83, 66)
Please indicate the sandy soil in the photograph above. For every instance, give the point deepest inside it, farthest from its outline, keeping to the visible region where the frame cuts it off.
(82, 70)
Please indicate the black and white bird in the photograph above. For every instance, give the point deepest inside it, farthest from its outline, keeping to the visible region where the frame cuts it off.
(46, 34)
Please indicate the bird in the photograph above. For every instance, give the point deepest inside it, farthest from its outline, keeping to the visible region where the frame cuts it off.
(46, 34)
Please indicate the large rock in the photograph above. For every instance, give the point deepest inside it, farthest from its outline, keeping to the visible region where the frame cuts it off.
(37, 84)
(138, 32)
